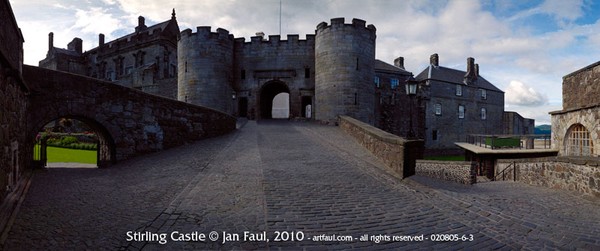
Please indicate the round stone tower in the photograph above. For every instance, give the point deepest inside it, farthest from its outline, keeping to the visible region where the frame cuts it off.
(205, 68)
(344, 72)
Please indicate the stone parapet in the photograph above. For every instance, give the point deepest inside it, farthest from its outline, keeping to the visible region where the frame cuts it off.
(568, 173)
(456, 171)
(398, 154)
(130, 121)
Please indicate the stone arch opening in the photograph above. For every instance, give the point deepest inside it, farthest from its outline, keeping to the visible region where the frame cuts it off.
(105, 146)
(281, 106)
(267, 95)
(578, 141)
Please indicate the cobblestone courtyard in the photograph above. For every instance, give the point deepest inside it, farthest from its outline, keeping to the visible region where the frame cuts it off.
(277, 176)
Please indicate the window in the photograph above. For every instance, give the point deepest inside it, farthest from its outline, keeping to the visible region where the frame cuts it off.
(438, 109)
(578, 141)
(356, 98)
(461, 112)
(110, 75)
(483, 114)
(128, 69)
(173, 71)
(458, 90)
(376, 80)
(434, 135)
(394, 83)
(483, 94)
(306, 72)
(243, 74)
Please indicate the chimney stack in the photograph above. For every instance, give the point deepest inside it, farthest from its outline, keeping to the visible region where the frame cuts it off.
(76, 45)
(477, 70)
(100, 40)
(434, 60)
(50, 41)
(471, 75)
(399, 62)
(141, 24)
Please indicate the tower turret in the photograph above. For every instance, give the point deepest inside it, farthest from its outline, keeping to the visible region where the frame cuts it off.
(205, 63)
(344, 59)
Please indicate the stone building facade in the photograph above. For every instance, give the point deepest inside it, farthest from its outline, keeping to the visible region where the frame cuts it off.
(515, 124)
(13, 105)
(575, 128)
(458, 103)
(397, 112)
(145, 60)
(331, 71)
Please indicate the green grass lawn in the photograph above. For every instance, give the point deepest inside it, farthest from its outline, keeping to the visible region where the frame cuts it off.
(57, 154)
(448, 158)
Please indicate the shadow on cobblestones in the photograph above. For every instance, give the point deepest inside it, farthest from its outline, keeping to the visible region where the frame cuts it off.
(299, 182)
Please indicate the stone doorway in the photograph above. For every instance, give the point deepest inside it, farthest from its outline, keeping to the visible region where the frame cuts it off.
(267, 95)
(307, 107)
(243, 107)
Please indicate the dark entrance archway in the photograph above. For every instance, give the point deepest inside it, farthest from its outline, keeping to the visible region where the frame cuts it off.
(243, 107)
(106, 150)
(267, 93)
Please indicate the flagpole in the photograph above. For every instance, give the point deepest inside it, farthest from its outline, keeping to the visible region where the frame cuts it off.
(279, 17)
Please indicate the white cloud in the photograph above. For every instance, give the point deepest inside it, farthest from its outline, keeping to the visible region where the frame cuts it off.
(563, 10)
(520, 94)
(95, 21)
(414, 29)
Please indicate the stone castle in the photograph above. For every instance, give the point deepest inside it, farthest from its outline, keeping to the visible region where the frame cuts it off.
(332, 72)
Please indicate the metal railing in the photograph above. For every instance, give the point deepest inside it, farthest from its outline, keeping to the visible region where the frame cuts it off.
(503, 172)
(496, 141)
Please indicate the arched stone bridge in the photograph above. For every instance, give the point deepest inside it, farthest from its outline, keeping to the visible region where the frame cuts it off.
(128, 122)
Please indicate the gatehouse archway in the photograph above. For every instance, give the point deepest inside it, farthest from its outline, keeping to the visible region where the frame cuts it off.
(267, 94)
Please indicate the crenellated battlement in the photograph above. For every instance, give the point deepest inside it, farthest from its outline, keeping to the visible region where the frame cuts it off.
(275, 40)
(340, 22)
(204, 32)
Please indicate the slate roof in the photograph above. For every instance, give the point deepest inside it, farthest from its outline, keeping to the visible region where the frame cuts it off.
(162, 26)
(383, 66)
(453, 76)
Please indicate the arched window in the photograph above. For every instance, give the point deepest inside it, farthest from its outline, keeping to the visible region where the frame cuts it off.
(578, 141)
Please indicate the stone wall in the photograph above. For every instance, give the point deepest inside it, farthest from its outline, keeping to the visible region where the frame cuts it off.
(344, 62)
(13, 112)
(456, 171)
(563, 120)
(574, 174)
(290, 61)
(131, 122)
(398, 154)
(205, 62)
(582, 88)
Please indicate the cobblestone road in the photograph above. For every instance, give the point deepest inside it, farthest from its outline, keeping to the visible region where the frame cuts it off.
(304, 178)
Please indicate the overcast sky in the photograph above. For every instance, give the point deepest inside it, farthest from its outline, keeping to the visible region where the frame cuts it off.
(522, 47)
